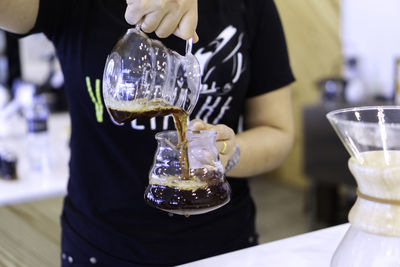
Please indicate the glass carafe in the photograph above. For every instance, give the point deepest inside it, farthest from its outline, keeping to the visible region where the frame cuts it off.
(202, 190)
(143, 78)
(372, 137)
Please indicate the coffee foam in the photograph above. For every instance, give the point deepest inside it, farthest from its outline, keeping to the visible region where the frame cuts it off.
(137, 105)
(177, 182)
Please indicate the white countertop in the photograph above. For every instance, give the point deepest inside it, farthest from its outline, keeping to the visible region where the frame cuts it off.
(314, 249)
(31, 185)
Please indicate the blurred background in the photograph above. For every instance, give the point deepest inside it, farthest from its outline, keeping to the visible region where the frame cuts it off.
(344, 53)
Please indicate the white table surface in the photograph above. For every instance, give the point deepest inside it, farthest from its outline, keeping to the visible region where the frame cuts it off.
(31, 185)
(314, 249)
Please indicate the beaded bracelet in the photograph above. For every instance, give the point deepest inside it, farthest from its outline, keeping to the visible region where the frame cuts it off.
(233, 160)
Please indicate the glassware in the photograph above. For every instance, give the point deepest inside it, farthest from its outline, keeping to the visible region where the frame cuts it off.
(372, 137)
(171, 190)
(142, 77)
(8, 164)
(37, 113)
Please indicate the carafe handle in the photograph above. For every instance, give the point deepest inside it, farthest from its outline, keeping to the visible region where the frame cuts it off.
(189, 45)
(189, 42)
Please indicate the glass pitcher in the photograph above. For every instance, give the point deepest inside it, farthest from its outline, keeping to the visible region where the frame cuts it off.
(372, 137)
(143, 78)
(203, 190)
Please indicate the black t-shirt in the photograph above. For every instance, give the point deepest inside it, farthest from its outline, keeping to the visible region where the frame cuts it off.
(242, 53)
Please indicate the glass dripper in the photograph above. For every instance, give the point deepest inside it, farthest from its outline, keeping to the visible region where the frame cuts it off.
(204, 189)
(372, 137)
(142, 78)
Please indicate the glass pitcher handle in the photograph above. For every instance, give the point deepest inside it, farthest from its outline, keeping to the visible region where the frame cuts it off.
(189, 42)
(189, 45)
(138, 25)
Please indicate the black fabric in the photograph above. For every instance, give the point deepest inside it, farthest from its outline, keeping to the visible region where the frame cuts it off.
(13, 59)
(243, 54)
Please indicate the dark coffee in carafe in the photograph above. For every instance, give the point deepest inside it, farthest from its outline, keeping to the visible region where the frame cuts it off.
(190, 198)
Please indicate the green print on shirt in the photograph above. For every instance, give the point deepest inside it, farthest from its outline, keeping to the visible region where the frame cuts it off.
(98, 104)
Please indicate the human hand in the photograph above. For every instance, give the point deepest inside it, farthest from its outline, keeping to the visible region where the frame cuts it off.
(164, 17)
(225, 141)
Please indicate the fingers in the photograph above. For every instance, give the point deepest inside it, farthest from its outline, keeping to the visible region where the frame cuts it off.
(165, 17)
(198, 125)
(187, 27)
(225, 140)
(136, 10)
(152, 21)
(223, 131)
(168, 25)
(195, 38)
(131, 16)
(226, 147)
(225, 157)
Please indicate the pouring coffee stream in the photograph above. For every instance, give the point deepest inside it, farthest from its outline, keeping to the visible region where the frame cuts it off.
(157, 109)
(144, 79)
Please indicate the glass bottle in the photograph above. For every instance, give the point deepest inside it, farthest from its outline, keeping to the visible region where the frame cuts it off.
(36, 114)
